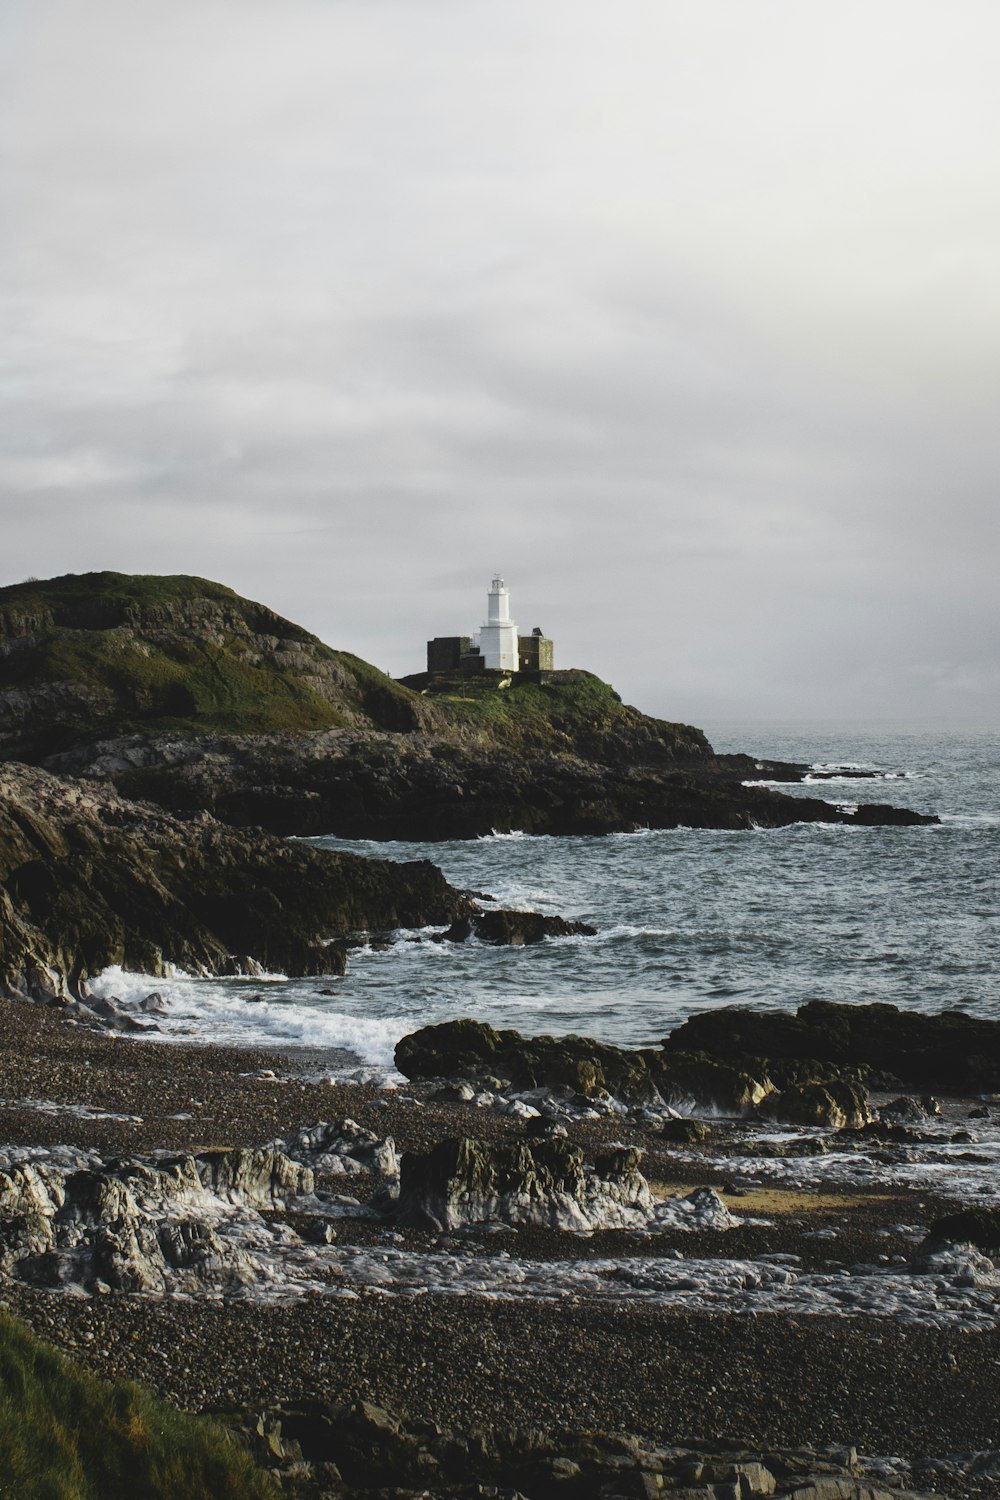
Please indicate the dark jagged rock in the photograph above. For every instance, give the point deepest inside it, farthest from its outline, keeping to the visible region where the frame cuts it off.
(88, 880)
(688, 1082)
(514, 929)
(911, 1111)
(472, 1049)
(464, 1181)
(834, 1105)
(362, 1449)
(949, 1051)
(444, 783)
(973, 1226)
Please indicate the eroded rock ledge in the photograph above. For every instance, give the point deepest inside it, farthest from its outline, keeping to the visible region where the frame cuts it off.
(430, 786)
(359, 1448)
(810, 1067)
(796, 1091)
(88, 879)
(948, 1051)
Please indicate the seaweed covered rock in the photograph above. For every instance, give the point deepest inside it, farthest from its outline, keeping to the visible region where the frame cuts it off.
(464, 1181)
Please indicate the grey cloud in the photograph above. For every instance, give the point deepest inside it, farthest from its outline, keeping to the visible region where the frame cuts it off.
(682, 315)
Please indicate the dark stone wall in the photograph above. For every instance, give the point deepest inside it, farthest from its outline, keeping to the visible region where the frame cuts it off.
(444, 652)
(534, 653)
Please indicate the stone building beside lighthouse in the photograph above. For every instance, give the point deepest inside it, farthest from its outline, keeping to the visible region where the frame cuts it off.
(496, 648)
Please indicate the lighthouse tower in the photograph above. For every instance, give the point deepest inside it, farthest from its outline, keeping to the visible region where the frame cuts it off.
(498, 637)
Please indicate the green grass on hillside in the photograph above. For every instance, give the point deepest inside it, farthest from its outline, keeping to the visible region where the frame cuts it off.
(65, 1435)
(575, 705)
(173, 682)
(140, 590)
(175, 654)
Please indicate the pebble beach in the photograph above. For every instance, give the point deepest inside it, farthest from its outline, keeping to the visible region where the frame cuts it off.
(670, 1374)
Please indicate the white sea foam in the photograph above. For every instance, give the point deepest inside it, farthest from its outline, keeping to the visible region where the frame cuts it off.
(230, 1011)
(717, 1285)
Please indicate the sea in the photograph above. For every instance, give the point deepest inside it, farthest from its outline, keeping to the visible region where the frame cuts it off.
(687, 919)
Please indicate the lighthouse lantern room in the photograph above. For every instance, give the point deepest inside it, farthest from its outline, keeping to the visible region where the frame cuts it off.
(498, 636)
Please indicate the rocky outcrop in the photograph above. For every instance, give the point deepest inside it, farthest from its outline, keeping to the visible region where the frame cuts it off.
(88, 879)
(572, 1074)
(359, 1448)
(962, 1248)
(513, 929)
(979, 1227)
(464, 1181)
(473, 1050)
(950, 1051)
(343, 1148)
(834, 1105)
(443, 782)
(141, 1226)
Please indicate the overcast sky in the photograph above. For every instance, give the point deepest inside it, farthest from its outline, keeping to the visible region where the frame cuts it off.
(682, 313)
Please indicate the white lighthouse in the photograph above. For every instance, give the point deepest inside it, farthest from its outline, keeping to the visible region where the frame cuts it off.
(498, 637)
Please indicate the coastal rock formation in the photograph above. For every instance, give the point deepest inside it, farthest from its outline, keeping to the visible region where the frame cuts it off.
(471, 1049)
(950, 1051)
(362, 1449)
(979, 1227)
(514, 929)
(558, 1073)
(344, 1147)
(834, 1105)
(184, 694)
(454, 781)
(135, 1226)
(88, 879)
(464, 1181)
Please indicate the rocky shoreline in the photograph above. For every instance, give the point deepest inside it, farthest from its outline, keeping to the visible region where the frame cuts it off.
(297, 1279)
(89, 879)
(432, 786)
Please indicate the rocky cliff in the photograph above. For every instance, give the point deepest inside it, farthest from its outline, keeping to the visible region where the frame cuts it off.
(88, 879)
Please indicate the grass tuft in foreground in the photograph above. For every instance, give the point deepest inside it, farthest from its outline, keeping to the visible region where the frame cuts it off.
(66, 1435)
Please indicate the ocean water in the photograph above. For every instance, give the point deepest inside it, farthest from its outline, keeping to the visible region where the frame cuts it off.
(687, 918)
